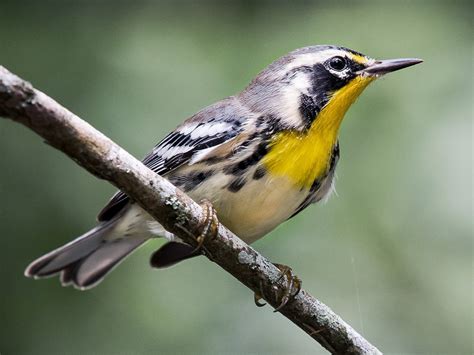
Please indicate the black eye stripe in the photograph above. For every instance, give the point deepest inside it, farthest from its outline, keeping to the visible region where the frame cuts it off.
(355, 67)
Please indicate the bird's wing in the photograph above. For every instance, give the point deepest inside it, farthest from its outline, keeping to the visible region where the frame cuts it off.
(196, 138)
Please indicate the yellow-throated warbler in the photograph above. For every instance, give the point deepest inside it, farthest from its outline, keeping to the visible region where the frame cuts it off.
(259, 157)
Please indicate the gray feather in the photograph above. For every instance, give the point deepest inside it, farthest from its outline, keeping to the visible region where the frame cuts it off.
(86, 260)
(93, 268)
(56, 260)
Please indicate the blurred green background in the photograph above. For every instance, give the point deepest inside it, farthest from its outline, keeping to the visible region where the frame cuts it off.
(391, 253)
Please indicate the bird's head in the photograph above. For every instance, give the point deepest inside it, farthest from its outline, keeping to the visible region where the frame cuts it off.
(297, 87)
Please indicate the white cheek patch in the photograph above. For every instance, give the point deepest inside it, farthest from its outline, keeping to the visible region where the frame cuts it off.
(301, 82)
(289, 106)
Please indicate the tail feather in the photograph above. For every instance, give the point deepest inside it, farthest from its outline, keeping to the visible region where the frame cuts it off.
(89, 271)
(56, 260)
(86, 260)
(67, 274)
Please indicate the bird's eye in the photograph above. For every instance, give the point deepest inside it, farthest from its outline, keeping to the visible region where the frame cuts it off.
(337, 63)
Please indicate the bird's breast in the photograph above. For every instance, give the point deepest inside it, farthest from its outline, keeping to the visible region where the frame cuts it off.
(300, 157)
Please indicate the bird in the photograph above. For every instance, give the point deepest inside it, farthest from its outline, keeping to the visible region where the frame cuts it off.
(258, 157)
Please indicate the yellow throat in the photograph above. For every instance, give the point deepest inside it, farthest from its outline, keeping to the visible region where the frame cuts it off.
(304, 157)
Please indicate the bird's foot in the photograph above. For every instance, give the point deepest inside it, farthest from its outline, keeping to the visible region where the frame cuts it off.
(292, 286)
(289, 291)
(259, 296)
(209, 226)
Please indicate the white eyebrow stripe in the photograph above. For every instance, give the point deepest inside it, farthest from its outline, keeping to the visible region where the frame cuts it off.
(310, 59)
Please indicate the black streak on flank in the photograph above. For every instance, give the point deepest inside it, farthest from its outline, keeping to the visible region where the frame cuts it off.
(317, 183)
(334, 156)
(197, 178)
(236, 184)
(244, 164)
(315, 186)
(190, 181)
(259, 173)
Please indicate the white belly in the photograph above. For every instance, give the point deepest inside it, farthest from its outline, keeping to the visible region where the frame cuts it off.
(251, 212)
(256, 209)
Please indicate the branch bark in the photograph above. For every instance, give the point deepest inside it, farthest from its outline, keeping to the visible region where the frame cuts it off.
(171, 207)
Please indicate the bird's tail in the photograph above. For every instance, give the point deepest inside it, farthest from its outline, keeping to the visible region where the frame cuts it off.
(85, 261)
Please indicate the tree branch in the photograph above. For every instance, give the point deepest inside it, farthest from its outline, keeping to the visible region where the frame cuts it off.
(177, 212)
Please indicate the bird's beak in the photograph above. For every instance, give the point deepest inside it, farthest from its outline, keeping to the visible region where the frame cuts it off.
(381, 67)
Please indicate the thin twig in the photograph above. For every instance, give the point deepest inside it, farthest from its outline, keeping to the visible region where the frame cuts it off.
(172, 208)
